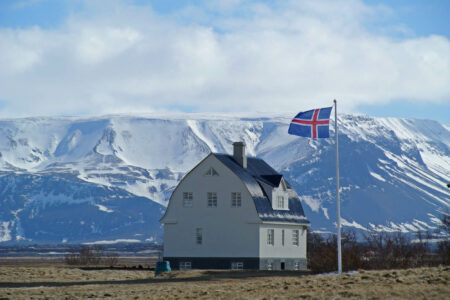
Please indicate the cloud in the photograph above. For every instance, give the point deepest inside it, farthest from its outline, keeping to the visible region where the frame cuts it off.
(236, 56)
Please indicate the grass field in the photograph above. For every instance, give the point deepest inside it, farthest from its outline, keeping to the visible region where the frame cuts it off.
(41, 281)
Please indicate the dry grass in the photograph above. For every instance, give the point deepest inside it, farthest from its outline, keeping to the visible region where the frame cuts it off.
(62, 282)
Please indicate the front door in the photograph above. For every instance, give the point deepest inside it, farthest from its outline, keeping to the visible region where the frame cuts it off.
(282, 266)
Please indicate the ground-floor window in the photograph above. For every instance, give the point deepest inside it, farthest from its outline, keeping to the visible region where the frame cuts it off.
(269, 266)
(295, 237)
(185, 265)
(237, 265)
(297, 266)
(270, 237)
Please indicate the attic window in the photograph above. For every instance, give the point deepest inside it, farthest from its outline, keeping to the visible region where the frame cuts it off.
(211, 172)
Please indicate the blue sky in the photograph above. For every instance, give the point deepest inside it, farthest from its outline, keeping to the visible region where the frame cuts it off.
(80, 57)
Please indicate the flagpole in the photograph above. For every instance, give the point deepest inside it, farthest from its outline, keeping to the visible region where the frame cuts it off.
(338, 201)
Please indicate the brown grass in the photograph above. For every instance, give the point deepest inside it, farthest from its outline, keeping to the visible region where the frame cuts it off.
(62, 282)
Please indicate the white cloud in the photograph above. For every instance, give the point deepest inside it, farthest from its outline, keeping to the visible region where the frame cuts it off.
(287, 56)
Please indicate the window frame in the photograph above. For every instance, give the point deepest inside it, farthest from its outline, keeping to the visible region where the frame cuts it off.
(236, 199)
(185, 265)
(280, 201)
(211, 199)
(211, 172)
(199, 236)
(237, 265)
(271, 236)
(189, 199)
(295, 237)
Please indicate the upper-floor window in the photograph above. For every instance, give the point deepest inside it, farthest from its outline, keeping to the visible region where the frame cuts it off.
(295, 237)
(282, 237)
(236, 200)
(280, 201)
(270, 236)
(199, 236)
(211, 172)
(187, 199)
(212, 199)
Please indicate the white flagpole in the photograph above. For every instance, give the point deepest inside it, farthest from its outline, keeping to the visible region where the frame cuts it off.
(338, 201)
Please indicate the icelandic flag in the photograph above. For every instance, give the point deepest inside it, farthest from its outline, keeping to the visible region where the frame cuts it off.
(312, 123)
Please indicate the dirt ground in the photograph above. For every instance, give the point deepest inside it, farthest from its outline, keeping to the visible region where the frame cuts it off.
(64, 282)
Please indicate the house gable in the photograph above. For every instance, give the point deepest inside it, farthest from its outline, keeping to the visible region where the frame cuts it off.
(201, 177)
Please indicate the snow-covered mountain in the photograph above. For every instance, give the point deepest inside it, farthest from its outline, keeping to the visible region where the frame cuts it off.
(109, 178)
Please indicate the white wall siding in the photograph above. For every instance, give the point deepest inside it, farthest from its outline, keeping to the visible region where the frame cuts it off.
(226, 231)
(278, 250)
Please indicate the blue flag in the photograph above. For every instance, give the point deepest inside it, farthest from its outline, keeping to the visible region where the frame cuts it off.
(312, 123)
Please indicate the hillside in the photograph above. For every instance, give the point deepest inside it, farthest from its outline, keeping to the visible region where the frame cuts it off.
(109, 178)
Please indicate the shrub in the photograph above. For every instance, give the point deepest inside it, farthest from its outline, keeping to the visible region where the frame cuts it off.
(91, 255)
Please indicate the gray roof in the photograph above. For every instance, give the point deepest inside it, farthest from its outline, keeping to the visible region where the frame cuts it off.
(258, 170)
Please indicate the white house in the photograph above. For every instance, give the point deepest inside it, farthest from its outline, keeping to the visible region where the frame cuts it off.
(232, 212)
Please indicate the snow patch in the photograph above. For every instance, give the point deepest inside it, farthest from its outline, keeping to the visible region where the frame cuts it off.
(376, 176)
(104, 208)
(344, 222)
(113, 242)
(5, 232)
(314, 204)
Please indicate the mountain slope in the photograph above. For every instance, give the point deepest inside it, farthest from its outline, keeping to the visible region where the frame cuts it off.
(109, 178)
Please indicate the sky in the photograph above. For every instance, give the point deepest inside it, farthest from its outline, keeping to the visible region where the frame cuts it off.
(95, 57)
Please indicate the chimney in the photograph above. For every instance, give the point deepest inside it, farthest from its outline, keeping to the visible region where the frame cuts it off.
(239, 154)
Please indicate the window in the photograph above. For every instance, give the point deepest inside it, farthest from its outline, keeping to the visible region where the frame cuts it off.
(280, 201)
(212, 199)
(237, 265)
(185, 265)
(270, 237)
(187, 199)
(297, 266)
(199, 236)
(236, 200)
(269, 266)
(282, 237)
(295, 237)
(211, 172)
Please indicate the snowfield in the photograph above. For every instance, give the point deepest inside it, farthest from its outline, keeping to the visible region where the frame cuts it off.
(109, 178)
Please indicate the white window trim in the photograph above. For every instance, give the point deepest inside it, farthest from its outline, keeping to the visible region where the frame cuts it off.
(211, 172)
(270, 237)
(211, 198)
(236, 199)
(295, 237)
(237, 265)
(280, 202)
(188, 199)
(199, 236)
(185, 265)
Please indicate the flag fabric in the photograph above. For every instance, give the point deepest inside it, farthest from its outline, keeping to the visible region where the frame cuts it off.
(312, 123)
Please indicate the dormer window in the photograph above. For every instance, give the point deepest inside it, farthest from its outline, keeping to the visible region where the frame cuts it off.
(211, 172)
(280, 199)
(280, 202)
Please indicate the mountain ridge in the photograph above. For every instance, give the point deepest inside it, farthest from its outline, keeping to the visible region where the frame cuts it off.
(395, 168)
